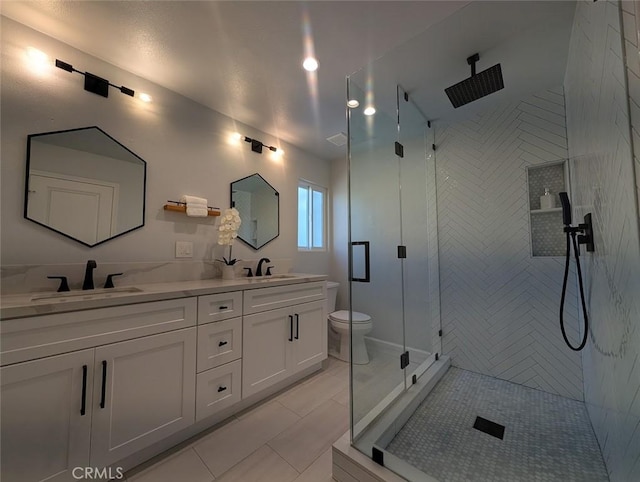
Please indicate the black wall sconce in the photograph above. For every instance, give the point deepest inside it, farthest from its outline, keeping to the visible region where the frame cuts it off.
(93, 83)
(256, 146)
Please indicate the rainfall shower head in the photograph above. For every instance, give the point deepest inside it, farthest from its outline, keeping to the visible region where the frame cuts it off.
(477, 86)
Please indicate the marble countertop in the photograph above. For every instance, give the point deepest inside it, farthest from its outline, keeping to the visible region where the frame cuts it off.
(27, 304)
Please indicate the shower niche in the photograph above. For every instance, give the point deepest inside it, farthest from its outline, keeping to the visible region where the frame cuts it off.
(544, 182)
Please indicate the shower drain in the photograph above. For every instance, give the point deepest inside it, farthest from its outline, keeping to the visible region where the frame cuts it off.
(489, 427)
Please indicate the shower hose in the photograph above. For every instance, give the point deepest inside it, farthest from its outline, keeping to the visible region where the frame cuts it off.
(571, 237)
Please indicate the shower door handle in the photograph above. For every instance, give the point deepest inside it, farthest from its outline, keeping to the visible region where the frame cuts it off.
(360, 253)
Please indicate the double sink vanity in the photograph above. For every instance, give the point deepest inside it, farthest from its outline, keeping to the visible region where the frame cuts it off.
(111, 377)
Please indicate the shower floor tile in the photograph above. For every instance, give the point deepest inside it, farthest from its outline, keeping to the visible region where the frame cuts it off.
(546, 438)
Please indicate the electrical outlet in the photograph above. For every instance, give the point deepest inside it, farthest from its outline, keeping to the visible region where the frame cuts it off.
(184, 249)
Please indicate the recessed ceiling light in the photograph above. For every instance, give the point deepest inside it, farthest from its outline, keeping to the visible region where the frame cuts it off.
(353, 103)
(310, 64)
(370, 110)
(145, 97)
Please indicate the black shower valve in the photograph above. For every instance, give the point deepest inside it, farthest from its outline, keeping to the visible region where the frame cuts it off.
(584, 231)
(586, 237)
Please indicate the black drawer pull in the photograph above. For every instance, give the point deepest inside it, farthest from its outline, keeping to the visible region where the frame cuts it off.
(224, 307)
(83, 406)
(297, 326)
(221, 389)
(223, 343)
(104, 384)
(290, 327)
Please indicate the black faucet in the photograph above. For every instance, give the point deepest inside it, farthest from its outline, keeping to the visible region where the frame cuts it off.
(88, 275)
(259, 268)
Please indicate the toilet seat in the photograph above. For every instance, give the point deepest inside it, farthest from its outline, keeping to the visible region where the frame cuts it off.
(342, 316)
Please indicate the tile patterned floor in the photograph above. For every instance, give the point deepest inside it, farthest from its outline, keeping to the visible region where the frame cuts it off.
(547, 437)
(285, 439)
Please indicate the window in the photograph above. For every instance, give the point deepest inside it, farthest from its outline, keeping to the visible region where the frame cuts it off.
(311, 216)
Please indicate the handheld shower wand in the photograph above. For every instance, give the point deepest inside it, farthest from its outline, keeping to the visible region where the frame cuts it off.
(586, 237)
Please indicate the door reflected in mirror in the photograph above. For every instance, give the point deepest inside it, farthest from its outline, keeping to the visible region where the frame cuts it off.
(84, 184)
(259, 206)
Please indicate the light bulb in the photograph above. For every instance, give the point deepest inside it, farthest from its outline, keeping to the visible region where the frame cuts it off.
(37, 59)
(310, 64)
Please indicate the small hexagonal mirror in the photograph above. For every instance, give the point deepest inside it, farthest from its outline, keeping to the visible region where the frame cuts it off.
(259, 206)
(84, 184)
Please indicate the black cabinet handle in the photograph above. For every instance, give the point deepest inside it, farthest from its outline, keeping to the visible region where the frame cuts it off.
(104, 384)
(222, 343)
(221, 389)
(290, 327)
(297, 326)
(83, 406)
(224, 307)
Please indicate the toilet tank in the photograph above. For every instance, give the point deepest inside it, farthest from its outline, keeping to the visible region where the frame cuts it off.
(332, 293)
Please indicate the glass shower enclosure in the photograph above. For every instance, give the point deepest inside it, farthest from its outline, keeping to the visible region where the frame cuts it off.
(393, 255)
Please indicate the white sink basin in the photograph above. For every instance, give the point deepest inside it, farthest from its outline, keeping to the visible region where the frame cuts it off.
(85, 294)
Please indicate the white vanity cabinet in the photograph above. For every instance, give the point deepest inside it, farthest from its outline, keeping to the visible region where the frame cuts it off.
(45, 434)
(143, 391)
(95, 406)
(278, 343)
(218, 384)
(110, 385)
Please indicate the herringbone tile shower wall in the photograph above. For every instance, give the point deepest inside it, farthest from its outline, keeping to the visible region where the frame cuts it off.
(600, 145)
(499, 305)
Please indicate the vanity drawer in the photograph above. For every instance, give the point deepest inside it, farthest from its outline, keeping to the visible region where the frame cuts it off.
(217, 389)
(219, 343)
(263, 299)
(221, 306)
(24, 339)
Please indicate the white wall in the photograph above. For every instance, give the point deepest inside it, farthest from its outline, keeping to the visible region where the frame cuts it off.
(339, 236)
(186, 147)
(603, 183)
(499, 305)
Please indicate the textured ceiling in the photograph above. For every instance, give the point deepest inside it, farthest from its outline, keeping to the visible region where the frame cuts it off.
(243, 58)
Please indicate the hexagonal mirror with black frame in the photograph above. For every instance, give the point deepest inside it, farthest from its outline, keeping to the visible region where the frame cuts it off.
(84, 184)
(259, 206)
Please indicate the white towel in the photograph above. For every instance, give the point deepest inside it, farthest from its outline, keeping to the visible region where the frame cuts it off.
(196, 206)
(197, 211)
(193, 200)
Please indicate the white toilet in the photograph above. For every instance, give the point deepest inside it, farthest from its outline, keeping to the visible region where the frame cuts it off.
(339, 323)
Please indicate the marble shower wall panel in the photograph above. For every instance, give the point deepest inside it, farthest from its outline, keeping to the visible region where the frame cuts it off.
(604, 183)
(499, 305)
(630, 12)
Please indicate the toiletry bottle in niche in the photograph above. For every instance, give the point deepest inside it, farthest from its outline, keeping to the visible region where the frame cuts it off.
(547, 200)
